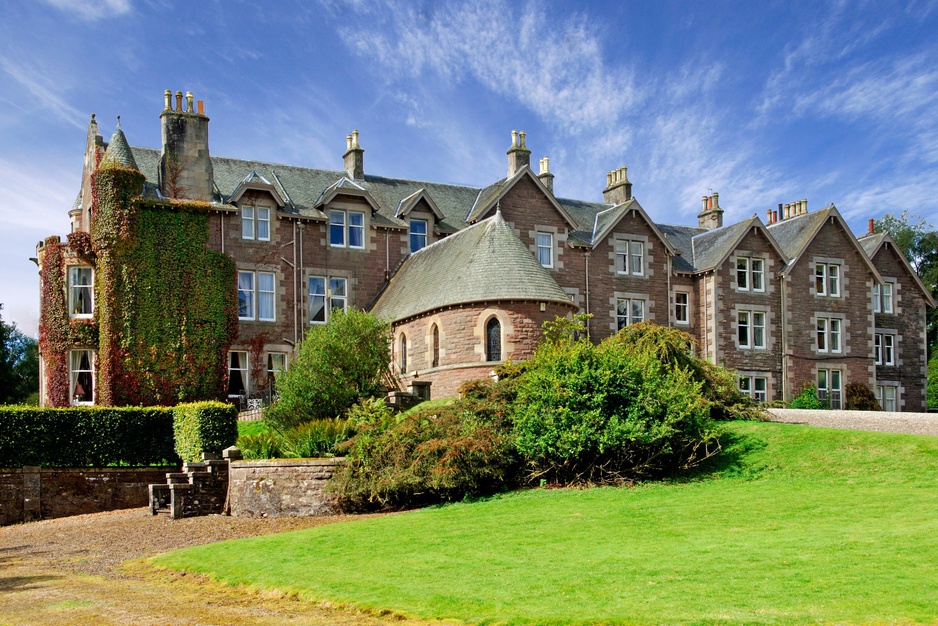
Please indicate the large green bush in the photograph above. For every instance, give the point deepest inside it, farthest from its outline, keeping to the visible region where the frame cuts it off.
(859, 397)
(933, 383)
(337, 364)
(86, 436)
(809, 400)
(204, 427)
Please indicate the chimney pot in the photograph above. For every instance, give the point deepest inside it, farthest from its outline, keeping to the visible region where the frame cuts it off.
(871, 225)
(189, 100)
(168, 96)
(774, 216)
(787, 211)
(522, 134)
(709, 203)
(804, 205)
(768, 216)
(608, 179)
(514, 139)
(704, 199)
(355, 139)
(179, 101)
(201, 107)
(716, 200)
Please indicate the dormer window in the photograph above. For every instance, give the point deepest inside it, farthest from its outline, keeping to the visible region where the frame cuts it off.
(255, 223)
(418, 235)
(80, 292)
(346, 229)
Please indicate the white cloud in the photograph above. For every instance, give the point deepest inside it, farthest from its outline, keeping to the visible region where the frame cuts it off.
(92, 10)
(41, 88)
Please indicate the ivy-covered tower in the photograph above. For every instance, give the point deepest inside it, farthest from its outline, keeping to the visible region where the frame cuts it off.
(135, 309)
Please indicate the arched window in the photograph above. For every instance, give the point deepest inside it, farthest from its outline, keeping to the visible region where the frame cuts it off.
(403, 354)
(493, 340)
(435, 342)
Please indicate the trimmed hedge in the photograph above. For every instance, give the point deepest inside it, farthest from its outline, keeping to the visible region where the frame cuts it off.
(86, 436)
(204, 427)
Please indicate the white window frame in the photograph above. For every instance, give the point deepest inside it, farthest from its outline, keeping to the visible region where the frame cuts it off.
(249, 296)
(750, 386)
(334, 295)
(347, 224)
(416, 237)
(253, 295)
(679, 307)
(754, 324)
(760, 272)
(337, 221)
(545, 248)
(742, 274)
(266, 294)
(829, 335)
(255, 222)
(629, 317)
(75, 290)
(245, 370)
(827, 279)
(882, 298)
(828, 390)
(884, 349)
(887, 394)
(273, 360)
(75, 371)
(747, 271)
(630, 257)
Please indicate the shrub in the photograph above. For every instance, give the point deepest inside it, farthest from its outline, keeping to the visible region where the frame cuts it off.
(337, 364)
(809, 400)
(933, 382)
(314, 439)
(261, 446)
(86, 436)
(204, 427)
(625, 408)
(859, 397)
(433, 452)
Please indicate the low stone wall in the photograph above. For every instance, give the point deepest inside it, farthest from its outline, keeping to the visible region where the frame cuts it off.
(281, 488)
(33, 493)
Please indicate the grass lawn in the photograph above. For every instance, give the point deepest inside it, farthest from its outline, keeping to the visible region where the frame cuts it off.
(254, 427)
(794, 525)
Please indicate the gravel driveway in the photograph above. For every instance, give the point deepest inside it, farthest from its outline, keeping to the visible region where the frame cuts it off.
(913, 423)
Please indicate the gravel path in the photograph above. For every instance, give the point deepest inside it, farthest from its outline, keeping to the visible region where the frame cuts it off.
(913, 423)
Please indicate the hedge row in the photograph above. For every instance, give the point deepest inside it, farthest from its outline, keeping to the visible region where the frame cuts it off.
(106, 436)
(204, 427)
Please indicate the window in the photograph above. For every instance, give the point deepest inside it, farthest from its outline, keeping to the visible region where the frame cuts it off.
(886, 396)
(435, 346)
(346, 228)
(276, 365)
(750, 274)
(828, 334)
(418, 235)
(754, 386)
(882, 298)
(493, 340)
(629, 311)
(750, 329)
(80, 292)
(682, 307)
(884, 349)
(263, 299)
(827, 279)
(402, 354)
(255, 223)
(630, 257)
(545, 249)
(237, 373)
(81, 377)
(829, 386)
(337, 296)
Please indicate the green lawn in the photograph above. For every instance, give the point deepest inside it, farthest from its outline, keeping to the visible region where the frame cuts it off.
(795, 525)
(254, 427)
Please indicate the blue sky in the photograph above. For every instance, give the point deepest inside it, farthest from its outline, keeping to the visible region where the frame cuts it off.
(764, 102)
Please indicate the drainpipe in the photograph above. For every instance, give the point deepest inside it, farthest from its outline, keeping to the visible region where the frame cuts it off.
(784, 320)
(588, 321)
(221, 217)
(670, 294)
(296, 312)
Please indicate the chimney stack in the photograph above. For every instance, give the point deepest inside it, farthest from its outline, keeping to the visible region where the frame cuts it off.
(518, 154)
(545, 176)
(354, 157)
(712, 215)
(185, 165)
(618, 188)
(871, 226)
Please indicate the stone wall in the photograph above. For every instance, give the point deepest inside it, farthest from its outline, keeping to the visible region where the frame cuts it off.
(281, 488)
(33, 493)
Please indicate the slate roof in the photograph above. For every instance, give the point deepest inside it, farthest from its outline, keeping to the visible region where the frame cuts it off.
(681, 238)
(796, 232)
(711, 247)
(118, 150)
(871, 243)
(484, 262)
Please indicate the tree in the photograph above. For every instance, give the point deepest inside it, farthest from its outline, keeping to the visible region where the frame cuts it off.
(19, 364)
(918, 241)
(337, 364)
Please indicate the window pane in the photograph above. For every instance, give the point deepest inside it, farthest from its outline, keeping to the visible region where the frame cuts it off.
(418, 235)
(493, 340)
(265, 296)
(745, 384)
(680, 306)
(82, 376)
(622, 314)
(81, 291)
(246, 295)
(758, 330)
(822, 380)
(237, 373)
(878, 349)
(835, 335)
(638, 311)
(317, 299)
(339, 297)
(833, 280)
(263, 224)
(247, 222)
(638, 257)
(887, 298)
(545, 249)
(742, 328)
(436, 346)
(820, 275)
(622, 262)
(877, 306)
(403, 353)
(336, 228)
(757, 283)
(822, 335)
(742, 274)
(356, 230)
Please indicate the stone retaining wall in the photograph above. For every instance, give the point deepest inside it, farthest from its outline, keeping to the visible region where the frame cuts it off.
(33, 493)
(281, 488)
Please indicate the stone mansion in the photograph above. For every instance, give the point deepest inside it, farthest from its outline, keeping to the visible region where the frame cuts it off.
(467, 275)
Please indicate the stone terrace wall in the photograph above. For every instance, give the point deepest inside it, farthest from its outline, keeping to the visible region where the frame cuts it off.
(32, 493)
(284, 488)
